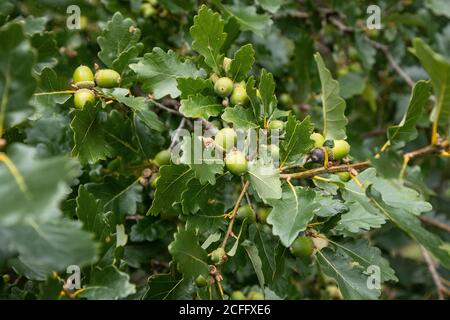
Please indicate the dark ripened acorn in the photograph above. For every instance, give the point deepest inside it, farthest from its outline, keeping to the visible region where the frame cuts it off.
(83, 97)
(317, 155)
(107, 78)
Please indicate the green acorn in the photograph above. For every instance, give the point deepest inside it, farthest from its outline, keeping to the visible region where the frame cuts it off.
(83, 97)
(83, 77)
(107, 78)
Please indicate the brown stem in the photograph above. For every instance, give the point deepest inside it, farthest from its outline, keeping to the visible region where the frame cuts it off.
(233, 214)
(435, 223)
(430, 149)
(392, 62)
(441, 290)
(162, 106)
(314, 172)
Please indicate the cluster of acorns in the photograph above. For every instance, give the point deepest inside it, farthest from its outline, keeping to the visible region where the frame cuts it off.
(151, 177)
(201, 282)
(84, 80)
(235, 160)
(333, 150)
(225, 88)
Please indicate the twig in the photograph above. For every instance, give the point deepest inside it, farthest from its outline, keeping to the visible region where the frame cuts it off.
(441, 290)
(313, 172)
(430, 149)
(340, 25)
(159, 105)
(233, 214)
(163, 107)
(383, 48)
(435, 223)
(392, 62)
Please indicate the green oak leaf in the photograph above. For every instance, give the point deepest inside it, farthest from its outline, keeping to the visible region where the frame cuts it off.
(272, 254)
(90, 211)
(140, 107)
(267, 92)
(33, 25)
(46, 49)
(253, 255)
(242, 63)
(199, 106)
(266, 180)
(292, 213)
(208, 37)
(366, 256)
(406, 130)
(197, 194)
(411, 225)
(150, 229)
(351, 280)
(38, 187)
(255, 101)
(201, 160)
(108, 283)
(396, 195)
(270, 5)
(193, 86)
(170, 187)
(209, 220)
(329, 206)
(296, 141)
(49, 82)
(158, 71)
(241, 117)
(43, 247)
(90, 140)
(168, 287)
(249, 19)
(17, 83)
(190, 257)
(50, 134)
(121, 195)
(119, 42)
(358, 218)
(352, 84)
(439, 7)
(333, 106)
(362, 213)
(438, 68)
